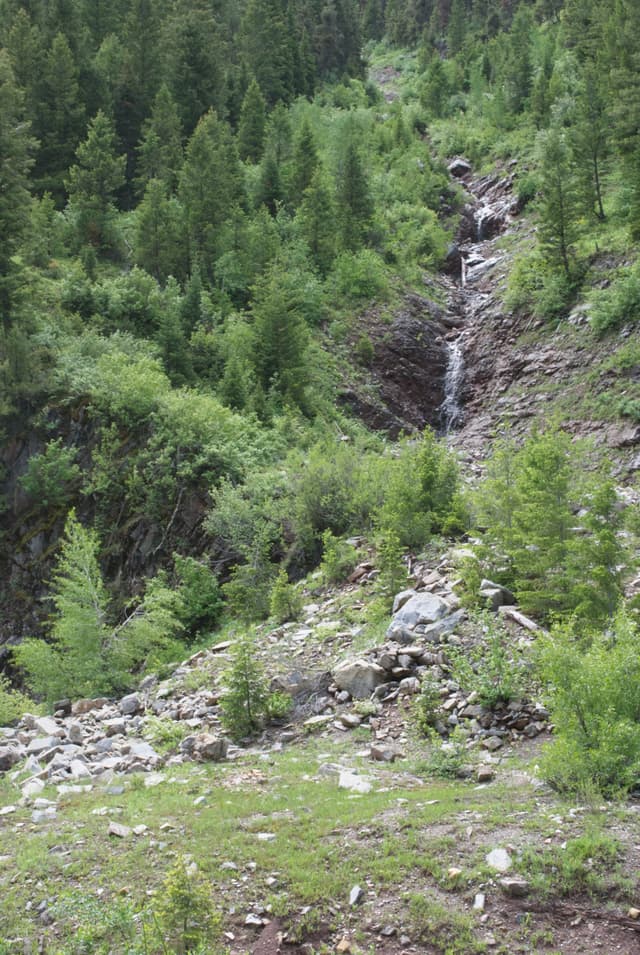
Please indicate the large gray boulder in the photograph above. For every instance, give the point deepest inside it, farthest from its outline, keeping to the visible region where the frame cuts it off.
(359, 678)
(422, 608)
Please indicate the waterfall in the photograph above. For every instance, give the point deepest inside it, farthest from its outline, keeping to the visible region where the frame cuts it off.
(451, 409)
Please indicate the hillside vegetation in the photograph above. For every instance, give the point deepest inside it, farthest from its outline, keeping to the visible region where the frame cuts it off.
(218, 220)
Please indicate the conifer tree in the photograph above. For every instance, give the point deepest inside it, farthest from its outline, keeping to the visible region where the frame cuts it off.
(316, 220)
(268, 48)
(94, 181)
(16, 147)
(355, 206)
(269, 192)
(159, 246)
(590, 138)
(25, 47)
(559, 200)
(211, 184)
(373, 20)
(194, 58)
(160, 151)
(251, 129)
(280, 342)
(305, 161)
(60, 115)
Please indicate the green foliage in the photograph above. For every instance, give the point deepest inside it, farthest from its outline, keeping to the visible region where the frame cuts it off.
(200, 600)
(339, 558)
(494, 669)
(361, 276)
(389, 559)
(164, 735)
(594, 698)
(245, 700)
(52, 476)
(447, 759)
(527, 503)
(13, 703)
(285, 601)
(426, 706)
(74, 662)
(585, 864)
(618, 303)
(85, 657)
(183, 911)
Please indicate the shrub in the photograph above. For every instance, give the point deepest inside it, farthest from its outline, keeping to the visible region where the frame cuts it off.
(426, 706)
(200, 601)
(593, 693)
(13, 703)
(494, 670)
(285, 602)
(618, 303)
(52, 475)
(183, 911)
(338, 558)
(389, 558)
(360, 276)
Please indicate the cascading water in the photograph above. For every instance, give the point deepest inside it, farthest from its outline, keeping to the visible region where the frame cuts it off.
(451, 408)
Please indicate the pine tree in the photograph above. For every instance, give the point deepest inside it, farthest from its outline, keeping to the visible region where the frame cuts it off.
(355, 206)
(456, 28)
(518, 73)
(25, 47)
(251, 129)
(373, 20)
(60, 121)
(94, 181)
(305, 162)
(211, 184)
(74, 663)
(590, 138)
(280, 342)
(160, 152)
(16, 147)
(269, 192)
(194, 58)
(559, 200)
(316, 220)
(278, 135)
(268, 48)
(159, 244)
(435, 89)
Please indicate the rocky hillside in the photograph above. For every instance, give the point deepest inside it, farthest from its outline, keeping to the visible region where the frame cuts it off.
(453, 846)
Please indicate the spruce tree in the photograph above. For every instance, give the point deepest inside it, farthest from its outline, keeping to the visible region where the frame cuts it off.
(60, 121)
(159, 243)
(251, 129)
(305, 162)
(355, 206)
(94, 181)
(559, 204)
(160, 151)
(16, 148)
(267, 46)
(316, 220)
(280, 342)
(211, 184)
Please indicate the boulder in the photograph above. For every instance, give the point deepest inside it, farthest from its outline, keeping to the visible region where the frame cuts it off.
(458, 167)
(9, 756)
(423, 608)
(495, 596)
(359, 678)
(131, 704)
(210, 748)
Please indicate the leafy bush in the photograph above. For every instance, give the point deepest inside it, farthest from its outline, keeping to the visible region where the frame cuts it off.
(593, 693)
(426, 706)
(338, 558)
(52, 475)
(200, 601)
(13, 703)
(360, 276)
(618, 303)
(285, 602)
(494, 670)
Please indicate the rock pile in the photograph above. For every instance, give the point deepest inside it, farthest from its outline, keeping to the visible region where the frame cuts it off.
(420, 638)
